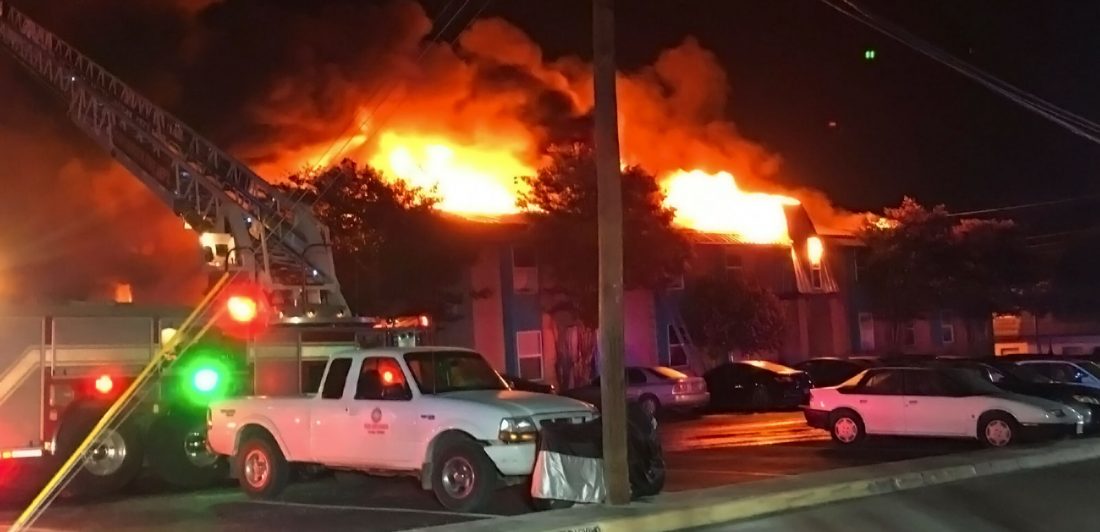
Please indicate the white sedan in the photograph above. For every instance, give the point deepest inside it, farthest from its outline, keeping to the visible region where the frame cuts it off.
(934, 402)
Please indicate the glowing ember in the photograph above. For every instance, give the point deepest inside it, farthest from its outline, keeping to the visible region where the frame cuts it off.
(713, 203)
(468, 180)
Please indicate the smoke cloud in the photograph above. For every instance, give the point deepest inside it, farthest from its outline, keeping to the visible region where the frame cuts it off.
(280, 84)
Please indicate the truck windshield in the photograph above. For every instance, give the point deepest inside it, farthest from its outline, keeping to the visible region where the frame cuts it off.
(451, 371)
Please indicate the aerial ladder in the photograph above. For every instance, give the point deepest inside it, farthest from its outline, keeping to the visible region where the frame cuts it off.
(245, 224)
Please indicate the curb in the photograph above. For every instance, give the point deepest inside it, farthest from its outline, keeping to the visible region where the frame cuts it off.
(713, 506)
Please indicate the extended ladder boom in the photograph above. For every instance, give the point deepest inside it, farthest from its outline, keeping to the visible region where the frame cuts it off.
(277, 239)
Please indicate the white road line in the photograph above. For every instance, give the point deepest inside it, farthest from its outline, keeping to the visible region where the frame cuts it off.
(729, 472)
(373, 509)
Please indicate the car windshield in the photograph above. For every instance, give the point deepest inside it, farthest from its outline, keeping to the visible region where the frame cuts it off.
(1026, 374)
(438, 372)
(972, 382)
(667, 373)
(1090, 366)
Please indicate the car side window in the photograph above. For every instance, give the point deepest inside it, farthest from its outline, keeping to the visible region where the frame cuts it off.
(381, 379)
(336, 378)
(635, 376)
(931, 384)
(883, 383)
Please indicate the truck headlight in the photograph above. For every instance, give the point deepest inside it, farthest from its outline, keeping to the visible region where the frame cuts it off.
(518, 430)
(1086, 399)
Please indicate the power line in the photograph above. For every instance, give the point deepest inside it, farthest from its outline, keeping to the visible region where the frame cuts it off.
(1022, 206)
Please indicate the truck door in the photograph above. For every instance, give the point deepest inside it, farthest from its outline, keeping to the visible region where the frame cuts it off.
(329, 412)
(382, 421)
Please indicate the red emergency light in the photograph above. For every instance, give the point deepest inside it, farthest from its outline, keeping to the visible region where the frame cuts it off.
(245, 310)
(104, 384)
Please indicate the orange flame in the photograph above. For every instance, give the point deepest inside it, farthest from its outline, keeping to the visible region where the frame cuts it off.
(714, 203)
(482, 179)
(467, 179)
(123, 293)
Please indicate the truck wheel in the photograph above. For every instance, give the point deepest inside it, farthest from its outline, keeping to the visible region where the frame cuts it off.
(264, 471)
(179, 454)
(112, 461)
(463, 477)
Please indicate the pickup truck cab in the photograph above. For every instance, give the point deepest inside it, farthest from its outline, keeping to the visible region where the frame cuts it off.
(439, 413)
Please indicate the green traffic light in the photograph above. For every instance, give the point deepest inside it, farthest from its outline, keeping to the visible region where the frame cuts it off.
(869, 54)
(205, 380)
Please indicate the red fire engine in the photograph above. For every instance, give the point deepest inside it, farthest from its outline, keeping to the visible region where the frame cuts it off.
(61, 367)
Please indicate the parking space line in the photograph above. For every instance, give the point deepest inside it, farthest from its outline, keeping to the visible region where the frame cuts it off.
(729, 472)
(374, 509)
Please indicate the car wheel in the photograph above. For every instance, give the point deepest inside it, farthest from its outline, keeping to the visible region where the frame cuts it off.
(112, 461)
(650, 405)
(846, 427)
(997, 429)
(761, 399)
(463, 477)
(262, 469)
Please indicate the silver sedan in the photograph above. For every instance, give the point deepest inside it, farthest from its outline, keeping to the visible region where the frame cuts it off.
(655, 388)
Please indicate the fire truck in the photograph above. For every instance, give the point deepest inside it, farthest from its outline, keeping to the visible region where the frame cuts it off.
(61, 367)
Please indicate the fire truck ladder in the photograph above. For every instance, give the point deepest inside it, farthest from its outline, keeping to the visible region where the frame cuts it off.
(277, 240)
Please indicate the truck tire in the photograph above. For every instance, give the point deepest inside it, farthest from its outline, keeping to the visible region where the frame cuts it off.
(263, 470)
(463, 477)
(113, 460)
(179, 455)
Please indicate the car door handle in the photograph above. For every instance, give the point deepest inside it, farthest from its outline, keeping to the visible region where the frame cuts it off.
(862, 401)
(913, 402)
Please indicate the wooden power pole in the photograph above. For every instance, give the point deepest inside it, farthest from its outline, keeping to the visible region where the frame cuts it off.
(610, 217)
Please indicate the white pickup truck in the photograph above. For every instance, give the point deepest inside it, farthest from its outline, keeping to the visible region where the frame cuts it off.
(441, 414)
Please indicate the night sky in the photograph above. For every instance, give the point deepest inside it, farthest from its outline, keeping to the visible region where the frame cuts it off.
(905, 124)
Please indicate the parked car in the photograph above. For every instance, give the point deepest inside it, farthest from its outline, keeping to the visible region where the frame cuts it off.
(830, 371)
(1020, 379)
(943, 402)
(525, 385)
(655, 388)
(757, 385)
(1062, 369)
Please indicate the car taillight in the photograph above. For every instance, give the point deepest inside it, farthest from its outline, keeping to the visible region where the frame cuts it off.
(681, 386)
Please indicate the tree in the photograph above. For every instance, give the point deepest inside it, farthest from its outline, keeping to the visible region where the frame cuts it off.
(726, 314)
(926, 260)
(394, 253)
(560, 207)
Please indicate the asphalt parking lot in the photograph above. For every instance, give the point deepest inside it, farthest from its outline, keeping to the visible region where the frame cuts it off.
(704, 452)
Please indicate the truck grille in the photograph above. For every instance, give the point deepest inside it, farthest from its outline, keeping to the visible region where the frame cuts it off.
(562, 419)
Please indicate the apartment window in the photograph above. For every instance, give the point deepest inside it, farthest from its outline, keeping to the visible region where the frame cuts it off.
(909, 334)
(529, 352)
(677, 355)
(525, 270)
(733, 262)
(947, 329)
(866, 331)
(676, 283)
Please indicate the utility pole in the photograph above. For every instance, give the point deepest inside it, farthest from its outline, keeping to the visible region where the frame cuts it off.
(610, 218)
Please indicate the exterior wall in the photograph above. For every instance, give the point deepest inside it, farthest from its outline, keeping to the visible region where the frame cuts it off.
(641, 328)
(487, 313)
(1026, 334)
(928, 338)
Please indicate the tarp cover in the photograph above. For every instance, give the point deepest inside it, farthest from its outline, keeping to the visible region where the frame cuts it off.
(569, 464)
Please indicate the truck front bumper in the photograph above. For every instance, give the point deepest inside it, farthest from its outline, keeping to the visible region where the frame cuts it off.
(512, 459)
